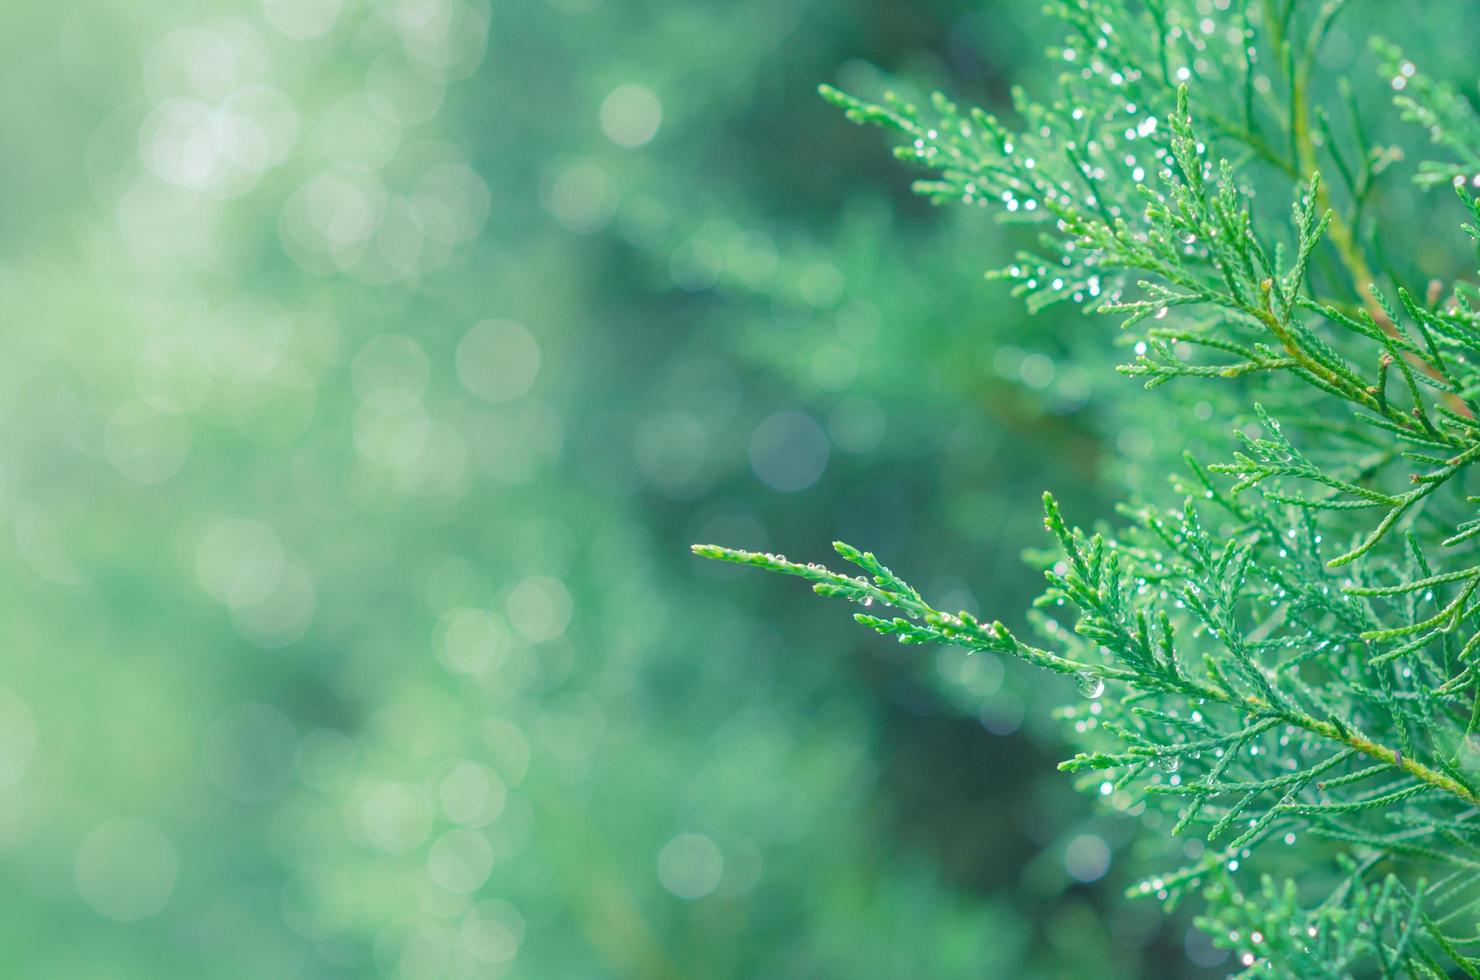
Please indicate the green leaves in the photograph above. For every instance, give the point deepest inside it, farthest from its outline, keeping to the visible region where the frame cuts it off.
(1292, 651)
(1236, 741)
(920, 623)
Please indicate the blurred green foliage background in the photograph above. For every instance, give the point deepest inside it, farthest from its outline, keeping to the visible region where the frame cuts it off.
(368, 366)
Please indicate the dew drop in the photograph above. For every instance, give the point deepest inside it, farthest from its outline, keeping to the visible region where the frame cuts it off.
(1090, 685)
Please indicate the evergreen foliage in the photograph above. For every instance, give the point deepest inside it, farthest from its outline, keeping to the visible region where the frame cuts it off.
(1286, 650)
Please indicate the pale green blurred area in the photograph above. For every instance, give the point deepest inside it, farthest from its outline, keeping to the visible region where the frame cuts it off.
(366, 368)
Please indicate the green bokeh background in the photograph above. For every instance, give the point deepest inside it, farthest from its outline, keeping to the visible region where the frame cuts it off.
(367, 367)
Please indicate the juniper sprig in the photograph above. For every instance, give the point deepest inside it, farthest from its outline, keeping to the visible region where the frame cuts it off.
(1293, 646)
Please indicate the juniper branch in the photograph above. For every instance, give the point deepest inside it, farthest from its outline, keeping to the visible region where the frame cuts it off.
(1266, 686)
